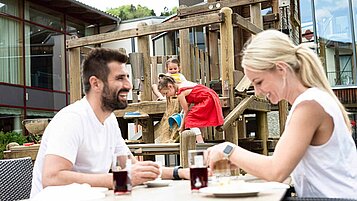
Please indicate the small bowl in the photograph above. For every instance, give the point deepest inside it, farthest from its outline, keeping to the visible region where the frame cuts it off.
(36, 126)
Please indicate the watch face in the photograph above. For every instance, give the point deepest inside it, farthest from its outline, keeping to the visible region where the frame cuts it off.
(228, 149)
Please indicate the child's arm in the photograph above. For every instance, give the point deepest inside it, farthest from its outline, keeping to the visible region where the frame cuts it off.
(157, 93)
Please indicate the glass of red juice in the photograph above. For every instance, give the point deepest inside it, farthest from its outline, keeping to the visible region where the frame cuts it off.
(198, 169)
(121, 174)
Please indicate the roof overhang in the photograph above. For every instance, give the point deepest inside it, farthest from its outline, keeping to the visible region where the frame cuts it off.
(80, 11)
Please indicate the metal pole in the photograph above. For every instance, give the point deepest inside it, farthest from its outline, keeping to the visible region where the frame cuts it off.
(314, 25)
(353, 37)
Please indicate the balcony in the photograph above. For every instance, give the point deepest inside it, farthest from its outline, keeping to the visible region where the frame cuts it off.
(347, 95)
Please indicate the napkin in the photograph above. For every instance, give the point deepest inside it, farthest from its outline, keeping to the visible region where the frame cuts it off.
(71, 192)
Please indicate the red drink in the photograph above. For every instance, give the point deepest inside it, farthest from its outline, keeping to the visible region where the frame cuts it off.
(199, 177)
(121, 182)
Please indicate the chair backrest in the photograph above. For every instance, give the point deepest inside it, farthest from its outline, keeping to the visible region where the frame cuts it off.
(15, 179)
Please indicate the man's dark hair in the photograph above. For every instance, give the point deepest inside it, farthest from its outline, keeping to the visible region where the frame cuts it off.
(96, 64)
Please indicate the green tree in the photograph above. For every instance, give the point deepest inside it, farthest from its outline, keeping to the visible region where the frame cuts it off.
(168, 13)
(128, 12)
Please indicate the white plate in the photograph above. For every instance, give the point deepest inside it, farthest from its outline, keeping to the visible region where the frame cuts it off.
(157, 183)
(100, 189)
(226, 191)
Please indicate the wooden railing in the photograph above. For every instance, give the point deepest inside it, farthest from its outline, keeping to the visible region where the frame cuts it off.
(347, 96)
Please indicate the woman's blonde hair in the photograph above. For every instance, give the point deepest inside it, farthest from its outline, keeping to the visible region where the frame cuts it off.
(268, 47)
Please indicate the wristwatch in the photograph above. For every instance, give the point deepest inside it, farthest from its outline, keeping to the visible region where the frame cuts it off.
(227, 152)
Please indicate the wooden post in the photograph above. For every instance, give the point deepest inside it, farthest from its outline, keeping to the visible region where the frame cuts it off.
(137, 65)
(187, 142)
(283, 114)
(143, 46)
(227, 59)
(202, 68)
(213, 55)
(185, 56)
(255, 15)
(75, 74)
(263, 132)
(197, 65)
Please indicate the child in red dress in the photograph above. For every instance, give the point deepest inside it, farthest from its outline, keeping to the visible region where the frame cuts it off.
(205, 112)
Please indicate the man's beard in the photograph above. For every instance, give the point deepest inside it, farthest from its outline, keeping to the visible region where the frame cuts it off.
(111, 101)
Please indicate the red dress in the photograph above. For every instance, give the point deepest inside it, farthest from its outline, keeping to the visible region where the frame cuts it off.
(207, 110)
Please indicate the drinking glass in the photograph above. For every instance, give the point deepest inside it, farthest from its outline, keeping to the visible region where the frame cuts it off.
(121, 169)
(198, 169)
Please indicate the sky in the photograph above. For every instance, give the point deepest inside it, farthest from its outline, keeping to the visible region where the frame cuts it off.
(157, 5)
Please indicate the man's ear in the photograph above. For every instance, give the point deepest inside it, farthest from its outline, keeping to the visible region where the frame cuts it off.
(95, 83)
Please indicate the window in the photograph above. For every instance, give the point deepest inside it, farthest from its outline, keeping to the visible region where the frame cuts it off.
(10, 51)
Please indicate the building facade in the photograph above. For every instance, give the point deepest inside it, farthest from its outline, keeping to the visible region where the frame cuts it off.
(33, 58)
(331, 28)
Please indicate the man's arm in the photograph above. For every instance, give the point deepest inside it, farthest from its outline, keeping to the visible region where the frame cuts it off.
(58, 171)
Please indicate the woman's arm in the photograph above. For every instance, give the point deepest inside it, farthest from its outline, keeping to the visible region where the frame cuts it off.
(306, 121)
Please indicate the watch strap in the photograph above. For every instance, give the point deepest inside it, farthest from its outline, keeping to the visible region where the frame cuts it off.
(175, 173)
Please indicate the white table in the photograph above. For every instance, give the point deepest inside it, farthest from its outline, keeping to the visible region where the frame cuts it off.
(180, 191)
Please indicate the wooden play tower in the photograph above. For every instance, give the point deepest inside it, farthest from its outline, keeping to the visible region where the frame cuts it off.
(228, 25)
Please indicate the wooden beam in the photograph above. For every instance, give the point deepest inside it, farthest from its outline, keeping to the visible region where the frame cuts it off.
(148, 107)
(245, 24)
(185, 56)
(214, 6)
(75, 75)
(146, 30)
(238, 110)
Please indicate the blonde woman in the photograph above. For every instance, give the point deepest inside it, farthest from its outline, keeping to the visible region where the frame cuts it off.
(316, 148)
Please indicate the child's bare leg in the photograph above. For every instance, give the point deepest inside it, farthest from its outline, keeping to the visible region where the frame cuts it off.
(197, 131)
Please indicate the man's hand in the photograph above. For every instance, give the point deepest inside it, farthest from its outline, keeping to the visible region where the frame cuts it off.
(143, 171)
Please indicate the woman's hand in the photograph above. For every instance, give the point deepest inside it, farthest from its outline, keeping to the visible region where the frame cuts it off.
(215, 153)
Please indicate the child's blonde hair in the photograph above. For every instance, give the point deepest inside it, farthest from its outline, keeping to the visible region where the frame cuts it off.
(172, 60)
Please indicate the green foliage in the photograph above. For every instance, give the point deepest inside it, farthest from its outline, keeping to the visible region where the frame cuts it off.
(128, 12)
(168, 13)
(6, 138)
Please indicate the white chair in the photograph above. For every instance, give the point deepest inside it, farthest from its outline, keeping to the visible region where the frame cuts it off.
(15, 179)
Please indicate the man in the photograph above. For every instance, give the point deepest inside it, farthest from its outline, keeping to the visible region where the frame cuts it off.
(79, 143)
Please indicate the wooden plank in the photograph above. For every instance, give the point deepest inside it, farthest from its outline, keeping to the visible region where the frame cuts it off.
(147, 30)
(214, 56)
(202, 68)
(75, 75)
(245, 24)
(185, 56)
(144, 48)
(197, 65)
(214, 6)
(238, 110)
(149, 107)
(207, 78)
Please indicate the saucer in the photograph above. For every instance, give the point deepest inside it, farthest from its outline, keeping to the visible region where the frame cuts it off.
(157, 183)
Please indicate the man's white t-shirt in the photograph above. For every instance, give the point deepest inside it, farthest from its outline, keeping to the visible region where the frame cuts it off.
(76, 134)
